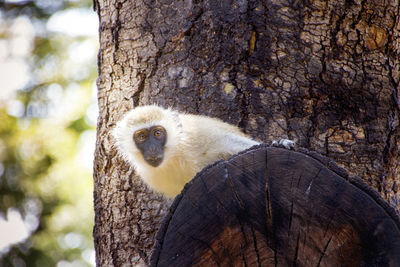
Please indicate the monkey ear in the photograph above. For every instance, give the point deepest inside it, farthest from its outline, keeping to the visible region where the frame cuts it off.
(175, 115)
(115, 132)
(171, 121)
(123, 141)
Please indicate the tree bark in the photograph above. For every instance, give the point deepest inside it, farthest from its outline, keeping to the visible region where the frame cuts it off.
(322, 73)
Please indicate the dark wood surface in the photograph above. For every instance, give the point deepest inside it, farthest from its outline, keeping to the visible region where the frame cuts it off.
(274, 207)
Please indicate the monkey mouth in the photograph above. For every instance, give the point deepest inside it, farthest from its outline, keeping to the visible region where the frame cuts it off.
(154, 161)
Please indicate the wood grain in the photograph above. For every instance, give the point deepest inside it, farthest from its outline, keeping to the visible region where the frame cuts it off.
(275, 207)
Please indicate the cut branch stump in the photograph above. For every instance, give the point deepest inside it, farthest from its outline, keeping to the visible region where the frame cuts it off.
(274, 207)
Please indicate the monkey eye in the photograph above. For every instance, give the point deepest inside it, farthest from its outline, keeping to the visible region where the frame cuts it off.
(158, 132)
(140, 136)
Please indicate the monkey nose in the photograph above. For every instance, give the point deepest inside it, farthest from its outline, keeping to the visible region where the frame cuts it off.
(154, 160)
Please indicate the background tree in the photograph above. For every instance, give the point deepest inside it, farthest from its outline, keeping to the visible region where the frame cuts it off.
(47, 73)
(323, 73)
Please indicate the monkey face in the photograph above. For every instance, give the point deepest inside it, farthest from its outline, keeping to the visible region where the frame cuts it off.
(151, 142)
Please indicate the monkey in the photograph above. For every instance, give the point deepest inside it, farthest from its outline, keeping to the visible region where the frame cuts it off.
(167, 148)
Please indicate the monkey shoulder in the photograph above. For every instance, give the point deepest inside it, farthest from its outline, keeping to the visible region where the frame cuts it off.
(210, 139)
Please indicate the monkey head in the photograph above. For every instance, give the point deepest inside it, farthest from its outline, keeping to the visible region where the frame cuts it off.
(147, 134)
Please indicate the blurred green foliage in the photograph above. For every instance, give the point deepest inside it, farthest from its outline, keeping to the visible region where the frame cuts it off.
(46, 129)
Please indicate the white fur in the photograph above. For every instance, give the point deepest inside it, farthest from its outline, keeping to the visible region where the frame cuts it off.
(193, 142)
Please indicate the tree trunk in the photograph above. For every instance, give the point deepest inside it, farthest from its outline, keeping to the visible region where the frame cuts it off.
(322, 73)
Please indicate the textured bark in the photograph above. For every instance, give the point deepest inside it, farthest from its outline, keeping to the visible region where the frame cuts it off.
(323, 73)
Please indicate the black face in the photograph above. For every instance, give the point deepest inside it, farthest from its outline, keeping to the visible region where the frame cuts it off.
(150, 142)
